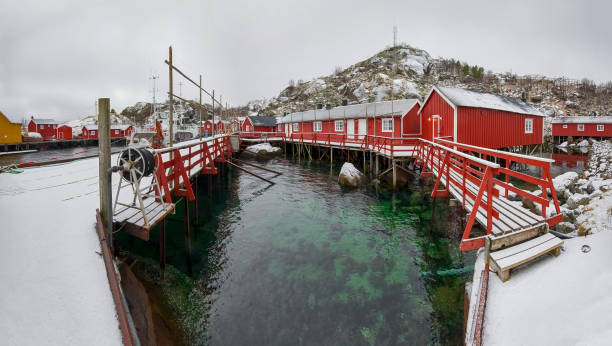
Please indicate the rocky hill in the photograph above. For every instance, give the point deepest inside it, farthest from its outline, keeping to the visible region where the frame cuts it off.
(404, 71)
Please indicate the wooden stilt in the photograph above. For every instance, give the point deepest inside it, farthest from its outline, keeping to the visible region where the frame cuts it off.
(187, 226)
(394, 174)
(162, 248)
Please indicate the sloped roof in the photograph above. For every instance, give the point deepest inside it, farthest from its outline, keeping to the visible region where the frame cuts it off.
(583, 120)
(372, 109)
(44, 121)
(262, 121)
(465, 98)
(120, 127)
(90, 127)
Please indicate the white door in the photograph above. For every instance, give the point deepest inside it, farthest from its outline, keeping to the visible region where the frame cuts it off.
(350, 129)
(362, 128)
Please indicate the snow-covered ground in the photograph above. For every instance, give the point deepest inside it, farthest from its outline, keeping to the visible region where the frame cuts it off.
(53, 284)
(564, 300)
(561, 300)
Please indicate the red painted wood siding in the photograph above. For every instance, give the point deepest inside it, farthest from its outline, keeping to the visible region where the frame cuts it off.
(411, 123)
(435, 104)
(64, 132)
(590, 130)
(492, 128)
(89, 133)
(245, 123)
(47, 131)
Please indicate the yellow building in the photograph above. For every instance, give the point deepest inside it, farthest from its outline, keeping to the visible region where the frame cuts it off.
(9, 132)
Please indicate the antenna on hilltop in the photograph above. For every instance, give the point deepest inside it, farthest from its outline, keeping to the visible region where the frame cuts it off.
(154, 78)
(394, 35)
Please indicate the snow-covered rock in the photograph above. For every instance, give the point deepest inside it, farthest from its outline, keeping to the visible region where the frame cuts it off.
(577, 200)
(350, 176)
(262, 149)
(584, 143)
(564, 144)
(564, 180)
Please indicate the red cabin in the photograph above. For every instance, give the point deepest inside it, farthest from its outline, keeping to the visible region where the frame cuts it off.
(391, 119)
(120, 131)
(64, 132)
(484, 120)
(580, 127)
(90, 131)
(255, 126)
(46, 127)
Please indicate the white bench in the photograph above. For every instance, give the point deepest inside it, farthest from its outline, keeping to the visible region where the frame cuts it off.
(504, 260)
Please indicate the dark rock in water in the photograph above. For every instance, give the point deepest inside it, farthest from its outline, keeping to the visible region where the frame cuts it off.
(350, 176)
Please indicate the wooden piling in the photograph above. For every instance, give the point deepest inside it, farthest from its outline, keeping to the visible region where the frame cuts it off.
(187, 226)
(104, 164)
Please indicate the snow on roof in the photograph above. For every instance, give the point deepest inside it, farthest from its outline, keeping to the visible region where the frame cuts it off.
(90, 127)
(262, 121)
(373, 109)
(120, 127)
(44, 121)
(583, 120)
(466, 98)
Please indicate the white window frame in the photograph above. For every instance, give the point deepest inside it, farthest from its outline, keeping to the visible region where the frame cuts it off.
(339, 125)
(387, 121)
(317, 126)
(296, 127)
(580, 127)
(600, 127)
(528, 125)
(40, 127)
(278, 127)
(564, 126)
(248, 128)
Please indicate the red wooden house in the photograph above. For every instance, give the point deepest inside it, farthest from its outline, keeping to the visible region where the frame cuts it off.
(120, 131)
(255, 126)
(64, 132)
(390, 119)
(219, 126)
(89, 131)
(580, 127)
(46, 127)
(479, 119)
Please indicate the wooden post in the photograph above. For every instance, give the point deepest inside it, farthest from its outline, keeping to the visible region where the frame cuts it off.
(162, 247)
(394, 174)
(170, 99)
(200, 114)
(213, 112)
(187, 226)
(196, 208)
(331, 155)
(104, 164)
(377, 168)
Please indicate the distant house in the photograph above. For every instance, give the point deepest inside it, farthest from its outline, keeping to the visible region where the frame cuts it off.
(9, 132)
(480, 119)
(120, 131)
(580, 127)
(64, 132)
(255, 126)
(90, 131)
(47, 128)
(219, 126)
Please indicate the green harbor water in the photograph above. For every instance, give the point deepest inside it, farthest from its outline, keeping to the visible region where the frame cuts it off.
(307, 262)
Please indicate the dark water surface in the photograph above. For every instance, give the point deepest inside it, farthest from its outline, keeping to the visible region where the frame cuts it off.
(307, 262)
(52, 154)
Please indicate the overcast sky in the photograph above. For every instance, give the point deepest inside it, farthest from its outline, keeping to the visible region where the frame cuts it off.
(58, 57)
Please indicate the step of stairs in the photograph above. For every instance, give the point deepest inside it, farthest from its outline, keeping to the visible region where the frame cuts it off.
(503, 261)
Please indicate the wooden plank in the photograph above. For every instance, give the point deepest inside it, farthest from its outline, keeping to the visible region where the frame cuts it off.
(528, 255)
(501, 254)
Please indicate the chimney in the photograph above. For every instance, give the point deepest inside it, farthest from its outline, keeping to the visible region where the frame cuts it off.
(345, 102)
(319, 106)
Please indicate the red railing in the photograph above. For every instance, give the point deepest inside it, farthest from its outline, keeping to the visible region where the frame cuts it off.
(174, 166)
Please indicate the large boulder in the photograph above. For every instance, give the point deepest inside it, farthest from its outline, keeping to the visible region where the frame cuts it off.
(351, 176)
(262, 150)
(563, 181)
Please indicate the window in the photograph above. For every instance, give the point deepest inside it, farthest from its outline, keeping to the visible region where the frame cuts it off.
(339, 125)
(600, 127)
(278, 127)
(387, 125)
(41, 127)
(248, 128)
(564, 126)
(295, 126)
(317, 126)
(528, 125)
(580, 127)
